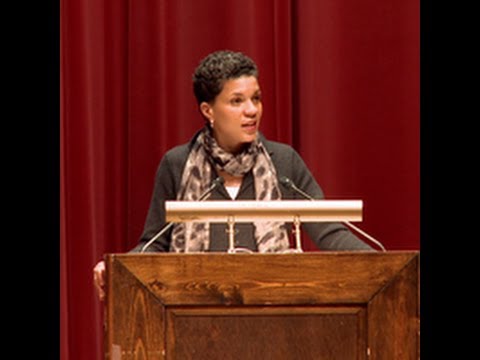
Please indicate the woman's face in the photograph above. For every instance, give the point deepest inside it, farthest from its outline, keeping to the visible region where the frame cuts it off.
(235, 113)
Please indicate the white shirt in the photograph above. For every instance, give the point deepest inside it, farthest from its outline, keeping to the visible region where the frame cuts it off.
(232, 191)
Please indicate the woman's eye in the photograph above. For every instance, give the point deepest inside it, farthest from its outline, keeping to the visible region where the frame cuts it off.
(236, 101)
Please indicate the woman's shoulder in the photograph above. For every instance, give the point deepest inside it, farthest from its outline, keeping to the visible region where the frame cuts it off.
(178, 152)
(277, 147)
(173, 161)
(285, 158)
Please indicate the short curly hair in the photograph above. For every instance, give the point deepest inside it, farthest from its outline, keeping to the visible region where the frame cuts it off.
(218, 67)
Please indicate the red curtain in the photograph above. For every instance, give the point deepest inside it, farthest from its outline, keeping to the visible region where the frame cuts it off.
(340, 81)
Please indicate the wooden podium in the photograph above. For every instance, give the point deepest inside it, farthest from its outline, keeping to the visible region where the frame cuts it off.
(316, 305)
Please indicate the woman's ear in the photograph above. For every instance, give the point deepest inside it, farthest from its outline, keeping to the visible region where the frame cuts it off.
(206, 110)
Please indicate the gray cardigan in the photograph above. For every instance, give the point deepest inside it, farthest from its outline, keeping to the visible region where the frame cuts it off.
(326, 236)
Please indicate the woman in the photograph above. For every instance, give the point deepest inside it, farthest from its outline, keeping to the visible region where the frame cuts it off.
(230, 146)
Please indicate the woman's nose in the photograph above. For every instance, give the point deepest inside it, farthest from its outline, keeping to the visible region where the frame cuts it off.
(251, 108)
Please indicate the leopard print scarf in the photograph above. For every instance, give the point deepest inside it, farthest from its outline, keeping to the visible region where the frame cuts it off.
(270, 236)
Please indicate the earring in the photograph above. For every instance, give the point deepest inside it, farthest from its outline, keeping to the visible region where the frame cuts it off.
(211, 124)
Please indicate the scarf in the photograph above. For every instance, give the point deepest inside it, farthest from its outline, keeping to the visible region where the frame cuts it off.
(205, 156)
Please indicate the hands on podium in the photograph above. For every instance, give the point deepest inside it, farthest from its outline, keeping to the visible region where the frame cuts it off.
(99, 279)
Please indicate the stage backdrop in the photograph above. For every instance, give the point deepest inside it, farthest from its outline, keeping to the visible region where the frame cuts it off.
(340, 82)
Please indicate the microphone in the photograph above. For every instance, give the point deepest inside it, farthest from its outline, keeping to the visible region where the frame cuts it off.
(215, 183)
(289, 184)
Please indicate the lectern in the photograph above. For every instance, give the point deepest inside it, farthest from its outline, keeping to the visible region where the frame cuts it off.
(332, 305)
(316, 305)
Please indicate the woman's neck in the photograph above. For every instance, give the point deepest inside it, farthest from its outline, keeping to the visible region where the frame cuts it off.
(230, 180)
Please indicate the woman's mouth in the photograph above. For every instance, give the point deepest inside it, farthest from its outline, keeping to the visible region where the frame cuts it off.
(250, 127)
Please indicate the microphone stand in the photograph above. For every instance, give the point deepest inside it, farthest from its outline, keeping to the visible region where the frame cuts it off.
(289, 184)
(218, 181)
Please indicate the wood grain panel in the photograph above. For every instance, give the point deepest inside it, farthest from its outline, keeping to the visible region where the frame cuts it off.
(134, 316)
(266, 333)
(394, 317)
(259, 279)
(338, 305)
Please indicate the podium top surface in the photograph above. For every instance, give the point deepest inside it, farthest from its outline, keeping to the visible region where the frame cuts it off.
(273, 210)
